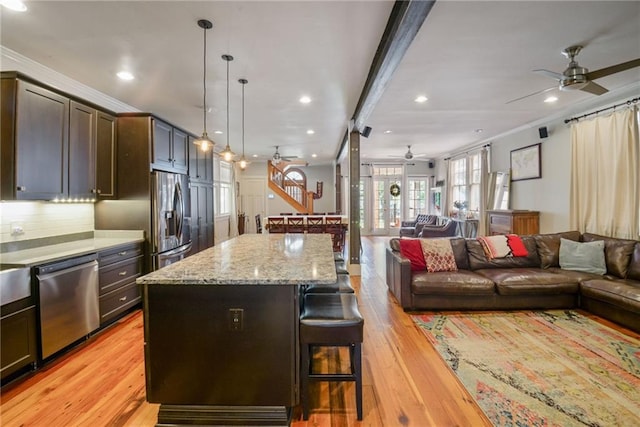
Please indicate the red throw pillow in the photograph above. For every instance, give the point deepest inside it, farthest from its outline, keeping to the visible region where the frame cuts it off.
(412, 249)
(517, 246)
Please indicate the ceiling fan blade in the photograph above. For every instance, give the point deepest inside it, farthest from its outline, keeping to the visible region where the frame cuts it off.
(532, 94)
(602, 72)
(594, 88)
(551, 74)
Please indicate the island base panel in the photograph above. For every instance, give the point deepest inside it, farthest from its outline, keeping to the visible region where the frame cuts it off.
(221, 345)
(176, 415)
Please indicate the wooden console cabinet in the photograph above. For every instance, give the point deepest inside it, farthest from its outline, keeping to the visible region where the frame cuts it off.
(513, 222)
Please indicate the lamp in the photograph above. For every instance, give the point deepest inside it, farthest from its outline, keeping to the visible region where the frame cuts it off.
(227, 154)
(204, 142)
(243, 161)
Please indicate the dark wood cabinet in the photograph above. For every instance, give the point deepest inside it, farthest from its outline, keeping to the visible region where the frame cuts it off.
(52, 144)
(106, 155)
(200, 162)
(513, 222)
(170, 150)
(202, 223)
(18, 347)
(82, 150)
(118, 269)
(34, 142)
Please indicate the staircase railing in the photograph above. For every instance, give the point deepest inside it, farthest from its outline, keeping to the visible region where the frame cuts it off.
(291, 191)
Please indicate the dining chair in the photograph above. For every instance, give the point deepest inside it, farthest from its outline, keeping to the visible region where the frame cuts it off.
(295, 224)
(315, 224)
(276, 224)
(258, 224)
(333, 225)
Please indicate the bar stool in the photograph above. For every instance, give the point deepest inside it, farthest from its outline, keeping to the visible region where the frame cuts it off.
(342, 285)
(331, 320)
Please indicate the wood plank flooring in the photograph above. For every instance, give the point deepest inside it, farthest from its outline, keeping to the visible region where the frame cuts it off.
(102, 382)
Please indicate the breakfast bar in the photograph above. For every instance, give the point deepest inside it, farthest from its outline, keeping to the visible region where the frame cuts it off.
(221, 329)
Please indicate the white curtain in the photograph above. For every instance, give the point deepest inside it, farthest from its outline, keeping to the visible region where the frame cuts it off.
(485, 190)
(604, 175)
(447, 193)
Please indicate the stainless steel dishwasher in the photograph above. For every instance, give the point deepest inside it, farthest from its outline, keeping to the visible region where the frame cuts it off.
(69, 308)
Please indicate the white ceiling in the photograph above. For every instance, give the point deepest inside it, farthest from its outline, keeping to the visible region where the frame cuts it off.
(469, 58)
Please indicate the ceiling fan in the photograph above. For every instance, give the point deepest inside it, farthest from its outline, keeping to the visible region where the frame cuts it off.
(575, 77)
(409, 155)
(277, 158)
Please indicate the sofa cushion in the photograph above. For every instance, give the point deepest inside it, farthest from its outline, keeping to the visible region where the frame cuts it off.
(459, 247)
(580, 276)
(587, 256)
(461, 282)
(516, 281)
(478, 260)
(633, 272)
(438, 255)
(617, 253)
(412, 250)
(548, 246)
(622, 293)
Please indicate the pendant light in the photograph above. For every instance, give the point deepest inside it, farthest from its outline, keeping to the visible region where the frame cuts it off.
(204, 142)
(227, 154)
(243, 160)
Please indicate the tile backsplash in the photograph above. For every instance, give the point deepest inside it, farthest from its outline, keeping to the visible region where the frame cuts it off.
(43, 219)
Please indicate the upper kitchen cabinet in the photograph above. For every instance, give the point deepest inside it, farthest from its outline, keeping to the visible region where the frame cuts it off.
(53, 147)
(35, 142)
(145, 139)
(170, 150)
(200, 163)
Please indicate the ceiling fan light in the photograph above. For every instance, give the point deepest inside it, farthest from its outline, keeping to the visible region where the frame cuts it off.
(576, 82)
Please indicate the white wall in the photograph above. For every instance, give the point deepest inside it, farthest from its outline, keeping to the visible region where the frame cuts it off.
(44, 219)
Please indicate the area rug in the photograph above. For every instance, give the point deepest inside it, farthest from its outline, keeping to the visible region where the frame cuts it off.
(542, 368)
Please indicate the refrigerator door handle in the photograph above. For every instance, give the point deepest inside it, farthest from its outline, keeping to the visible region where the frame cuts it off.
(178, 207)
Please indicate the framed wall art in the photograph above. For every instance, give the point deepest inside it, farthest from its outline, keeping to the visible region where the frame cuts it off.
(525, 163)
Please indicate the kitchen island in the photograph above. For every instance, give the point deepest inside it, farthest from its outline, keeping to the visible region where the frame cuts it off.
(221, 329)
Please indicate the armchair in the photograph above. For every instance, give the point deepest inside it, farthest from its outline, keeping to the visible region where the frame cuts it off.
(448, 229)
(413, 228)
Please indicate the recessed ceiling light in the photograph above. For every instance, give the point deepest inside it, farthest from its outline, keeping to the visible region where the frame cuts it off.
(421, 99)
(217, 132)
(388, 131)
(311, 132)
(255, 155)
(550, 99)
(314, 155)
(125, 75)
(305, 99)
(16, 5)
(479, 130)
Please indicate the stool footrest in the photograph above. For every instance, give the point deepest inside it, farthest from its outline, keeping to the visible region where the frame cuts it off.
(333, 377)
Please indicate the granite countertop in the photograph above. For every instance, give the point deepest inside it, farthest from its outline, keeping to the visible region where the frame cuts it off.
(254, 259)
(102, 239)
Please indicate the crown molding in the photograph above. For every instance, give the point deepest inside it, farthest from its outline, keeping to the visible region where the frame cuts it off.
(11, 60)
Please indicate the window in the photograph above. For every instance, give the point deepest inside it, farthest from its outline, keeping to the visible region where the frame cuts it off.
(465, 177)
(417, 196)
(222, 184)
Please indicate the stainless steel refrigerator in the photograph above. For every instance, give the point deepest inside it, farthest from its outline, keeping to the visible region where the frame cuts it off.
(171, 218)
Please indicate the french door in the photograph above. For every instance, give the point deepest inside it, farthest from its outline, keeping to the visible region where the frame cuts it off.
(387, 205)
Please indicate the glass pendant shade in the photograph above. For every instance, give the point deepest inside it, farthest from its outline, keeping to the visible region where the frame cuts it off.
(204, 142)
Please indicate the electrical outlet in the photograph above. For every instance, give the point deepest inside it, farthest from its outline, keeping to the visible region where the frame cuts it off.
(17, 229)
(236, 319)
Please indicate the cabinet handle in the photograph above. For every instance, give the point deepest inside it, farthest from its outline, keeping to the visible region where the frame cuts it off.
(123, 299)
(21, 188)
(94, 191)
(99, 191)
(122, 273)
(123, 253)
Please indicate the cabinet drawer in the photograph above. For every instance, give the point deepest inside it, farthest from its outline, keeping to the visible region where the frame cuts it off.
(116, 275)
(118, 301)
(110, 256)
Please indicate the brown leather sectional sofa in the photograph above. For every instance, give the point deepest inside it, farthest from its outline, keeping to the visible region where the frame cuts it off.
(532, 282)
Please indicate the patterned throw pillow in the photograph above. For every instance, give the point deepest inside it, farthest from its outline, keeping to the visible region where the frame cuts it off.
(438, 255)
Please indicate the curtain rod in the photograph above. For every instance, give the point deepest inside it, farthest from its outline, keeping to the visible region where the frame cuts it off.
(613, 107)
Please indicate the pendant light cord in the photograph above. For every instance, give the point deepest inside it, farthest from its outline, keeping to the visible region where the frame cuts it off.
(243, 120)
(204, 84)
(228, 104)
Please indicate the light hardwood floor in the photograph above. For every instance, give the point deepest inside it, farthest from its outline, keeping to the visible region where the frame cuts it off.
(406, 383)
